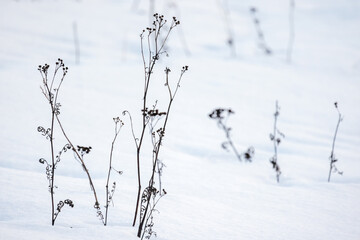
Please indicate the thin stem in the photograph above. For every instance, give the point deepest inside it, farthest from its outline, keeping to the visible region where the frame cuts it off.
(58, 66)
(48, 93)
(144, 121)
(109, 172)
(274, 140)
(227, 132)
(52, 105)
(332, 158)
(52, 165)
(291, 31)
(132, 127)
(226, 14)
(148, 73)
(173, 24)
(158, 145)
(151, 182)
(260, 33)
(151, 210)
(81, 161)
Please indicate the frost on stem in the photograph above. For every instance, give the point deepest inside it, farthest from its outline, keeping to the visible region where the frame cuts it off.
(221, 115)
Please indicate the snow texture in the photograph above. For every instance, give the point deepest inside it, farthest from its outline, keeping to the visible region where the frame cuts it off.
(211, 195)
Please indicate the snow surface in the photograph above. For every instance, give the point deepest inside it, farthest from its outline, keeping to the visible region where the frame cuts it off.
(210, 194)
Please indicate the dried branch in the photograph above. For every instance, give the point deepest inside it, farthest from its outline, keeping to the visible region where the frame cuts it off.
(332, 157)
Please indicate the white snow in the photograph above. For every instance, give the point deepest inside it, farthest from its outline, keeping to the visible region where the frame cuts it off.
(211, 195)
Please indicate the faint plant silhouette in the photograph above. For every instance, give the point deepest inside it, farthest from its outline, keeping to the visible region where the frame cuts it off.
(260, 34)
(224, 6)
(291, 31)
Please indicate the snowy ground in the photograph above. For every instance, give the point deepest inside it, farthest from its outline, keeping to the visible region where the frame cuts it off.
(210, 194)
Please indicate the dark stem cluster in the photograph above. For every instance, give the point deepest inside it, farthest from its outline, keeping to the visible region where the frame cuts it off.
(153, 119)
(276, 137)
(155, 38)
(221, 115)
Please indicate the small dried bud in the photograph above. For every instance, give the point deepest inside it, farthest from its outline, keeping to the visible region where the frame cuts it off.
(253, 9)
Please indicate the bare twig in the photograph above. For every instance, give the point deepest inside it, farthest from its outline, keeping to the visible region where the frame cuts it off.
(51, 94)
(276, 141)
(109, 195)
(332, 157)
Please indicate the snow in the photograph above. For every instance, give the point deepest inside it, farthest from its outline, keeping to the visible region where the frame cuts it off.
(210, 194)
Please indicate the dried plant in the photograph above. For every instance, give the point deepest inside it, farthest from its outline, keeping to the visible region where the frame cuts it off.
(51, 95)
(291, 31)
(276, 137)
(50, 89)
(223, 4)
(261, 39)
(156, 37)
(332, 157)
(149, 200)
(221, 116)
(110, 193)
(151, 195)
